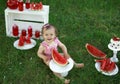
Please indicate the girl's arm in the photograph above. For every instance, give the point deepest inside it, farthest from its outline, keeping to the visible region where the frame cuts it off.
(40, 53)
(64, 49)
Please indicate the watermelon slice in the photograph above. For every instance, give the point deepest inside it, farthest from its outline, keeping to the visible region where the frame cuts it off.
(103, 64)
(106, 65)
(95, 52)
(58, 58)
(112, 66)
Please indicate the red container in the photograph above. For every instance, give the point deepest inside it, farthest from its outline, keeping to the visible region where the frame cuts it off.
(30, 31)
(12, 4)
(27, 4)
(23, 32)
(37, 34)
(20, 5)
(15, 30)
(32, 7)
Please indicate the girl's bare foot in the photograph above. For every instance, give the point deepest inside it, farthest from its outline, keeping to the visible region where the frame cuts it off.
(67, 81)
(79, 65)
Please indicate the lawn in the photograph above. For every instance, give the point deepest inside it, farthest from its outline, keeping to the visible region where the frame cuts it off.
(78, 22)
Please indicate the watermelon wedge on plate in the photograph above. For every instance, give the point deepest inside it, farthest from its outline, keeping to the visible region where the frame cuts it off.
(106, 65)
(58, 58)
(108, 71)
(95, 52)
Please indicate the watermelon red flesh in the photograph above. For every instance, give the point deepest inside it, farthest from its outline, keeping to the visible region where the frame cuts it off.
(58, 58)
(112, 66)
(99, 61)
(103, 65)
(106, 65)
(95, 51)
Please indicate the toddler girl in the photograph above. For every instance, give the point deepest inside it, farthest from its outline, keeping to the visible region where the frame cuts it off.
(51, 41)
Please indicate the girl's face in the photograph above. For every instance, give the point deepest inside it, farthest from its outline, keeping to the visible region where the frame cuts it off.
(49, 35)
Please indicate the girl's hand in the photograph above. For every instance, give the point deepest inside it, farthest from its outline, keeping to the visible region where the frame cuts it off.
(67, 56)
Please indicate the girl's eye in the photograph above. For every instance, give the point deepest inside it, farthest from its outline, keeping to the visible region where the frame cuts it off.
(46, 34)
(51, 34)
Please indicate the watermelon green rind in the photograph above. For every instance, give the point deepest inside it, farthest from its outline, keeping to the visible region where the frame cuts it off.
(58, 58)
(91, 50)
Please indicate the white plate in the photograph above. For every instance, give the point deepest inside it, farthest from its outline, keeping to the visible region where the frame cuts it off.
(26, 46)
(61, 69)
(114, 72)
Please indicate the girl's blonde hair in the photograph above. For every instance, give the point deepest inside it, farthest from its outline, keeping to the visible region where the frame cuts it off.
(48, 26)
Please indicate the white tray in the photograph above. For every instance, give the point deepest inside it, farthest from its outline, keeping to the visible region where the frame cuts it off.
(61, 69)
(114, 72)
(26, 46)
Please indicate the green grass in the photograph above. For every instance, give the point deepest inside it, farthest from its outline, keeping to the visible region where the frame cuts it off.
(78, 22)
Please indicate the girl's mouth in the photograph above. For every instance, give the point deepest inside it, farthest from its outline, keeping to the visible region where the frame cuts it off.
(49, 39)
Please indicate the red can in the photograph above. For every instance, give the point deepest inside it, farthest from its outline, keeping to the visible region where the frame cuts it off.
(15, 30)
(27, 4)
(20, 5)
(37, 34)
(23, 32)
(30, 31)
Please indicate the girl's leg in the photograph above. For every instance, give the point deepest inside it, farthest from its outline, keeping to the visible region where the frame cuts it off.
(46, 62)
(79, 65)
(66, 81)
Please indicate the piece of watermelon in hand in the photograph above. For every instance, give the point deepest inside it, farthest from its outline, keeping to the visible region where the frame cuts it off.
(28, 39)
(21, 41)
